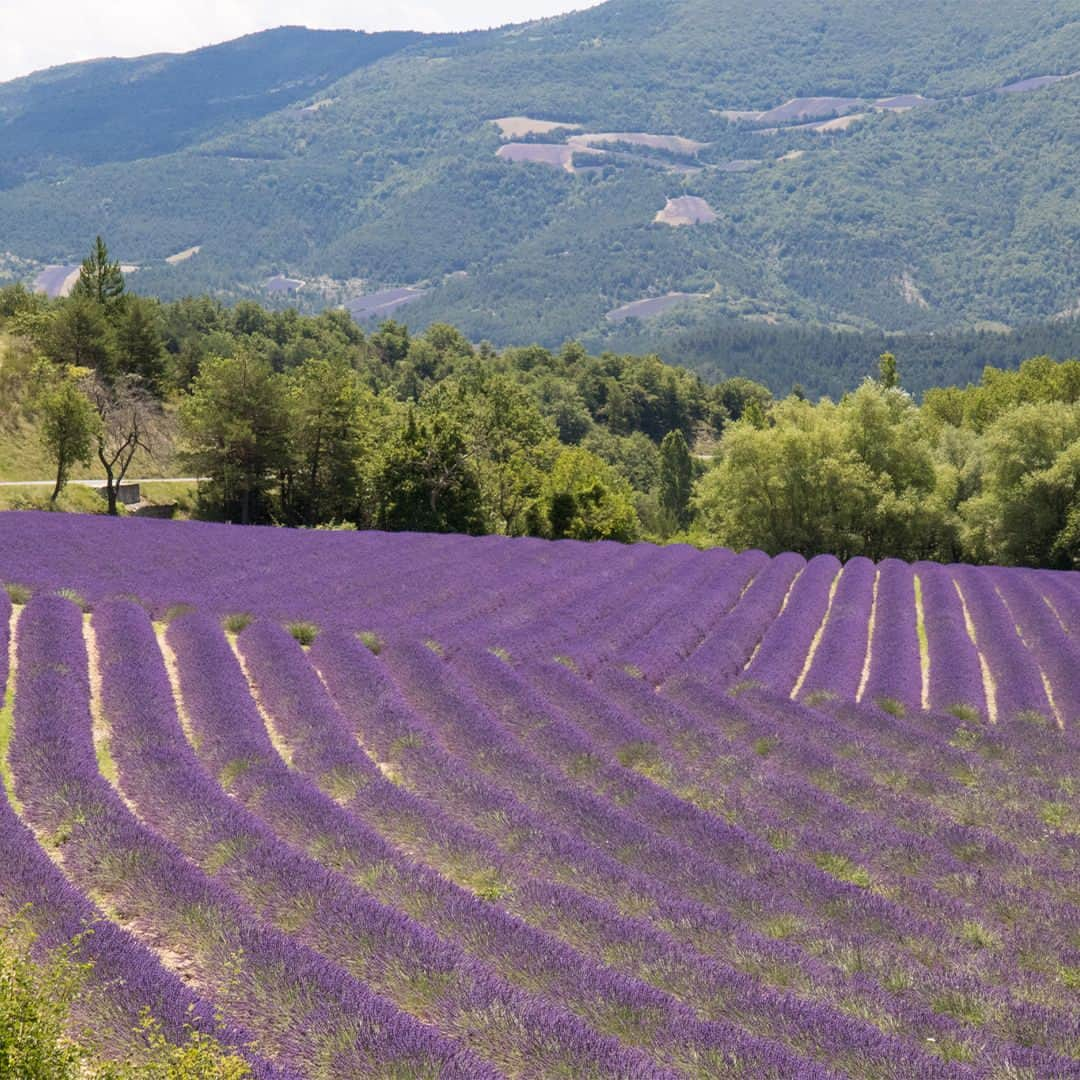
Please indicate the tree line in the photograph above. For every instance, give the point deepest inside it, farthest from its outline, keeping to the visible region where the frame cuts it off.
(309, 421)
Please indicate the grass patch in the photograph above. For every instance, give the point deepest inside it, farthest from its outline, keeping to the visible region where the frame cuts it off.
(567, 662)
(967, 713)
(7, 727)
(1062, 817)
(75, 597)
(842, 868)
(174, 611)
(978, 936)
(237, 623)
(892, 707)
(435, 647)
(818, 697)
(18, 594)
(304, 632)
(764, 746)
(372, 641)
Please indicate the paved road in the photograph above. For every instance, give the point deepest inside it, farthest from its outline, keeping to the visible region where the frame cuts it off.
(101, 483)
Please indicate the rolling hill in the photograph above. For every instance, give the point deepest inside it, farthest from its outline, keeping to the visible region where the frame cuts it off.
(849, 164)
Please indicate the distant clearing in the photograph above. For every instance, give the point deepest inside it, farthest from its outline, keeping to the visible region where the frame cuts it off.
(382, 303)
(652, 307)
(1038, 82)
(686, 210)
(674, 144)
(811, 108)
(840, 123)
(56, 281)
(903, 102)
(558, 157)
(183, 256)
(281, 284)
(517, 127)
(792, 155)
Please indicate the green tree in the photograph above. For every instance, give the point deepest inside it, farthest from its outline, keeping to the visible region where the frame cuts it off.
(100, 280)
(585, 499)
(676, 480)
(323, 481)
(236, 426)
(79, 334)
(888, 372)
(139, 344)
(510, 443)
(425, 482)
(69, 425)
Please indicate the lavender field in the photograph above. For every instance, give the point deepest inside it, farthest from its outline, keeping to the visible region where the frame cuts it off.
(434, 806)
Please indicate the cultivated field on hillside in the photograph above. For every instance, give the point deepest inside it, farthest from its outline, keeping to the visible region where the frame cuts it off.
(408, 805)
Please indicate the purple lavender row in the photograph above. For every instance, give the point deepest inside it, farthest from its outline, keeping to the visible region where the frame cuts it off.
(405, 961)
(417, 734)
(126, 977)
(955, 673)
(675, 635)
(1055, 651)
(399, 735)
(465, 728)
(895, 657)
(751, 790)
(572, 624)
(839, 1038)
(1054, 921)
(534, 617)
(297, 1007)
(296, 698)
(786, 644)
(840, 830)
(838, 663)
(1018, 685)
(537, 956)
(642, 604)
(730, 644)
(693, 852)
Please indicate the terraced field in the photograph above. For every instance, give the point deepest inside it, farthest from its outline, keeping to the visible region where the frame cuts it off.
(439, 806)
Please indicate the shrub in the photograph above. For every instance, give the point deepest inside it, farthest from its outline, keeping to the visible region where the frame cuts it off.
(304, 632)
(237, 623)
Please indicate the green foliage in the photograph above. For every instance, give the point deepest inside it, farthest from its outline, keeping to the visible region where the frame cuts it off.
(236, 425)
(34, 1004)
(585, 499)
(69, 426)
(426, 481)
(676, 480)
(304, 632)
(237, 623)
(39, 1039)
(100, 281)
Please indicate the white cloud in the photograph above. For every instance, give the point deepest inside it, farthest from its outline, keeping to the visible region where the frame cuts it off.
(43, 34)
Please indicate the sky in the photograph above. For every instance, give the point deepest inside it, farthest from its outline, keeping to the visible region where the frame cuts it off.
(41, 34)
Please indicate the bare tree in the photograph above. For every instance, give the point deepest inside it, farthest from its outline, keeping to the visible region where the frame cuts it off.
(131, 420)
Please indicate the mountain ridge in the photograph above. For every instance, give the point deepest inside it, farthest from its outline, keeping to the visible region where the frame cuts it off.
(388, 176)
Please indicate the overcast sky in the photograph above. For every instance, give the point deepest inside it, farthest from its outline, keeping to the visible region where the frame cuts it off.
(41, 33)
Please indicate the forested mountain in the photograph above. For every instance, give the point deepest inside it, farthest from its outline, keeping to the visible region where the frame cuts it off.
(847, 164)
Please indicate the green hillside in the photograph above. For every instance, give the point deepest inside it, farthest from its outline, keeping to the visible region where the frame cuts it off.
(960, 213)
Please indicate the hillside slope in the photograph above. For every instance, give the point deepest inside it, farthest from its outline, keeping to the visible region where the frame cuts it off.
(828, 196)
